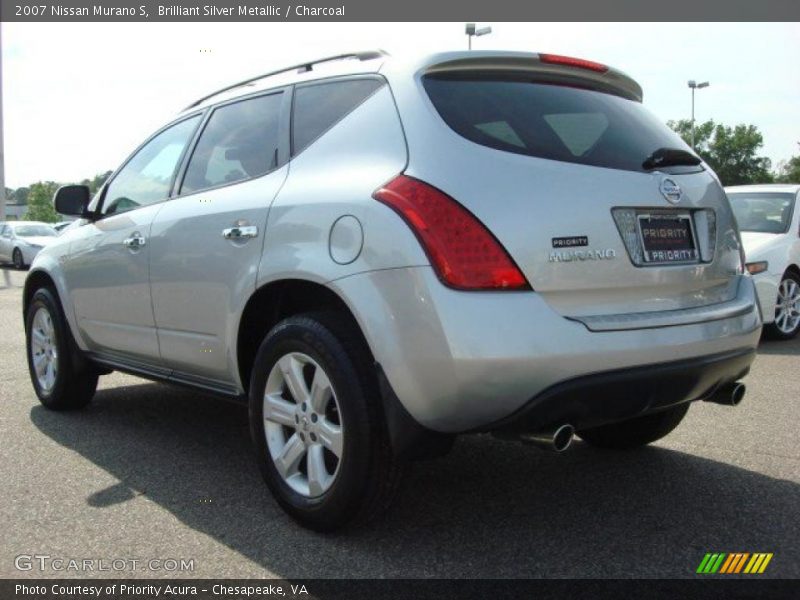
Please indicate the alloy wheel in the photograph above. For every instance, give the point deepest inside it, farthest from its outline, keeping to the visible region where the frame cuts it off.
(44, 350)
(302, 424)
(787, 310)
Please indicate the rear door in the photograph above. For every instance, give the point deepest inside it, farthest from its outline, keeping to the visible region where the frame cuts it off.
(107, 271)
(207, 242)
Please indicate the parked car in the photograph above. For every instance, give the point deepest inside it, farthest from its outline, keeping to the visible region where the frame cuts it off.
(770, 226)
(378, 255)
(21, 241)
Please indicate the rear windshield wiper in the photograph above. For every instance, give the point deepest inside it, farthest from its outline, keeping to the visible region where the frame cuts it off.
(670, 157)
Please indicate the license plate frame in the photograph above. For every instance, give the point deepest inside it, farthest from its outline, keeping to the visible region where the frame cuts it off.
(658, 251)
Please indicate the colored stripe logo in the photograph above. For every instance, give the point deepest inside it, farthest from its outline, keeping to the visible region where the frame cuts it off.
(734, 563)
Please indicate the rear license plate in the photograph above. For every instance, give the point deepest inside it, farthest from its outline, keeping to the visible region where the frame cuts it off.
(667, 239)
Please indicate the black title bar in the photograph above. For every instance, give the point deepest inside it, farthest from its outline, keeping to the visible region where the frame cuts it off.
(374, 10)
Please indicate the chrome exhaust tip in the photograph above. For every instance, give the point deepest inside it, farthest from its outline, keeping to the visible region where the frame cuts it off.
(557, 440)
(731, 394)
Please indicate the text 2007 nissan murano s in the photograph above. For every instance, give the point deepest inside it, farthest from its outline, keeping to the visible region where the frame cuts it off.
(380, 254)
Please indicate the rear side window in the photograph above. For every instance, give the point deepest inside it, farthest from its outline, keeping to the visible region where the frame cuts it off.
(550, 121)
(320, 106)
(240, 141)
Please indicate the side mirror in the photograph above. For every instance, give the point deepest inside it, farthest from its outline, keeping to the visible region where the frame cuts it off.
(72, 200)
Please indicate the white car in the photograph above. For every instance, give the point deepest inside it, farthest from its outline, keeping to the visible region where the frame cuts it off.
(21, 241)
(770, 226)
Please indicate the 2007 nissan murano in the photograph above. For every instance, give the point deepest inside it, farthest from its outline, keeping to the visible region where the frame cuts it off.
(380, 254)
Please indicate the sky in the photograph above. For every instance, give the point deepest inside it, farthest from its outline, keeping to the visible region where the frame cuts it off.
(78, 98)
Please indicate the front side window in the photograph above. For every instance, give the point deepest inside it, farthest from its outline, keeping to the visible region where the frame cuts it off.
(320, 106)
(240, 141)
(146, 178)
(765, 212)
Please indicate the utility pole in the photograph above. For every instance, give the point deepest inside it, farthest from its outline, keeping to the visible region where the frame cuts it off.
(2, 154)
(693, 85)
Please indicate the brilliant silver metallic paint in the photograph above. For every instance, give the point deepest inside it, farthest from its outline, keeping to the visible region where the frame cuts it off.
(457, 360)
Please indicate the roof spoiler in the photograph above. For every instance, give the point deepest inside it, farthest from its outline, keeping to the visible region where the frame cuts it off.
(300, 68)
(565, 68)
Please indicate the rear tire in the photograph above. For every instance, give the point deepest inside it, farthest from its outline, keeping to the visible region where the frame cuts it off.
(787, 311)
(61, 378)
(19, 261)
(325, 456)
(636, 432)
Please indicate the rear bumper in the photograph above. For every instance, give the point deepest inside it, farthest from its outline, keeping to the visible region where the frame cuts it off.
(463, 361)
(622, 394)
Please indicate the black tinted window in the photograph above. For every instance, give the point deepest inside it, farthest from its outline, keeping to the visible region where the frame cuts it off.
(240, 141)
(551, 121)
(318, 107)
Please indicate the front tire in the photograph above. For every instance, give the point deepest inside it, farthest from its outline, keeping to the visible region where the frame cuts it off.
(316, 423)
(787, 310)
(636, 432)
(60, 379)
(17, 258)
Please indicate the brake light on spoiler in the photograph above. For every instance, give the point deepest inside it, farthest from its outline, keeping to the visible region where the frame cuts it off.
(569, 61)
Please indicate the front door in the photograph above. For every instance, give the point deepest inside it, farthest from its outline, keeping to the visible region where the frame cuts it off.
(107, 270)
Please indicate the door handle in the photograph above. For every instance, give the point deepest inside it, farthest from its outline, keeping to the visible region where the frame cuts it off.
(240, 233)
(136, 241)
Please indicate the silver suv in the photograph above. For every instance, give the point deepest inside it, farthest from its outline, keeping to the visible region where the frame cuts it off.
(378, 255)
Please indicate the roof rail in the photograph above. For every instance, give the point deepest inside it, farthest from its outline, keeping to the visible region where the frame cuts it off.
(301, 68)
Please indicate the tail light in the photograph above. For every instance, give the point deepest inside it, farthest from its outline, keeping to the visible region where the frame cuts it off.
(568, 61)
(463, 252)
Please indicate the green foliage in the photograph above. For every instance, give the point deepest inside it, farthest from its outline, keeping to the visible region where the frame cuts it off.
(731, 151)
(18, 196)
(789, 171)
(40, 203)
(39, 197)
(97, 181)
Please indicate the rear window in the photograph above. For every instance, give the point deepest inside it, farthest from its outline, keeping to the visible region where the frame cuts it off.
(319, 106)
(550, 121)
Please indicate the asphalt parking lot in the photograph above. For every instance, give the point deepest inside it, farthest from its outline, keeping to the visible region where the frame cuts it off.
(154, 472)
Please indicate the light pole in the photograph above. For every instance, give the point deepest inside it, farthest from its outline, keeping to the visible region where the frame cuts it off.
(695, 86)
(2, 155)
(471, 31)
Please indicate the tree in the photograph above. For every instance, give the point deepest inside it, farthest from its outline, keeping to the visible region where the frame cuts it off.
(789, 171)
(730, 151)
(40, 203)
(19, 195)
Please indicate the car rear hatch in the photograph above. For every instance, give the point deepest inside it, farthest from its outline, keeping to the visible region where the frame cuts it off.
(602, 207)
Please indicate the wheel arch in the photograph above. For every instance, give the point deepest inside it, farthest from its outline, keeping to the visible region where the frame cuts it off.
(35, 280)
(792, 268)
(280, 299)
(276, 301)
